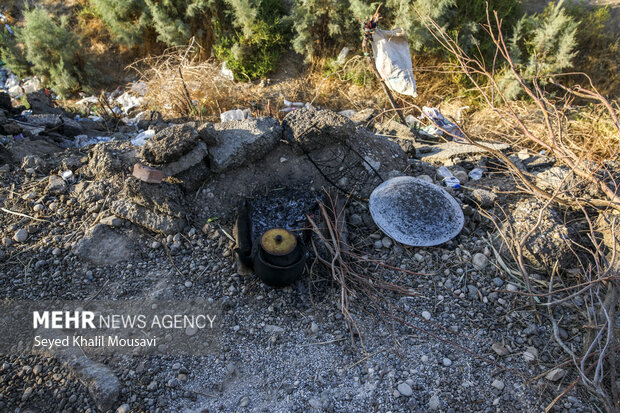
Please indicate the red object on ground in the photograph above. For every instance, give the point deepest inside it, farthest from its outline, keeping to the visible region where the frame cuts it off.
(147, 173)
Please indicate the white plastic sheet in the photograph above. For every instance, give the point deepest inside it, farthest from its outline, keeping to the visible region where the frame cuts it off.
(393, 60)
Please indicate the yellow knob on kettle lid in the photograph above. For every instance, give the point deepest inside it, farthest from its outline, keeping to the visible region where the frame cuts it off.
(278, 241)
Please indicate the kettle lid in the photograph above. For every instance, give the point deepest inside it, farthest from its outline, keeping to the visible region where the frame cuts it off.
(278, 241)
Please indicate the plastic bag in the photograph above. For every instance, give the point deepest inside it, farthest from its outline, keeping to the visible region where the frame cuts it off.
(393, 60)
(235, 114)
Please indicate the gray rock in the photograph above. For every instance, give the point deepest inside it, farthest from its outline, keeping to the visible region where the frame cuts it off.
(363, 116)
(446, 362)
(479, 261)
(498, 384)
(549, 243)
(123, 408)
(387, 242)
(426, 315)
(555, 178)
(401, 134)
(154, 221)
(555, 374)
(434, 403)
(312, 129)
(165, 198)
(170, 144)
(243, 141)
(500, 349)
(244, 402)
(55, 186)
(112, 221)
(405, 389)
(472, 292)
(483, 197)
(103, 246)
(273, 329)
(186, 161)
(21, 235)
(100, 381)
(498, 282)
(355, 220)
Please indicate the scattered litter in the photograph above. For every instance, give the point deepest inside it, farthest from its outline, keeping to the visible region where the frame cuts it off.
(141, 138)
(81, 141)
(32, 85)
(393, 60)
(448, 179)
(87, 101)
(235, 114)
(342, 56)
(139, 88)
(129, 102)
(475, 174)
(411, 120)
(226, 73)
(414, 212)
(440, 120)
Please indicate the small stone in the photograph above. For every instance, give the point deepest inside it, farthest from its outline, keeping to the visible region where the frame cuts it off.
(56, 252)
(446, 362)
(21, 235)
(273, 329)
(191, 330)
(498, 384)
(27, 393)
(188, 284)
(124, 408)
(314, 327)
(530, 354)
(498, 282)
(152, 386)
(479, 261)
(424, 359)
(500, 349)
(555, 374)
(405, 389)
(155, 245)
(434, 403)
(38, 208)
(7, 242)
(245, 401)
(55, 185)
(37, 369)
(426, 315)
(315, 403)
(512, 287)
(355, 220)
(386, 242)
(378, 244)
(112, 221)
(53, 206)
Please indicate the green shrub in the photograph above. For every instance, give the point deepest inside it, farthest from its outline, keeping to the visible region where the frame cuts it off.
(12, 55)
(127, 20)
(52, 51)
(541, 45)
(254, 48)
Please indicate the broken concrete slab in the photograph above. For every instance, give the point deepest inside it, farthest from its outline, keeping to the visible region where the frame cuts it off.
(443, 152)
(170, 144)
(549, 240)
(242, 141)
(401, 134)
(139, 215)
(165, 197)
(310, 129)
(103, 246)
(192, 158)
(107, 159)
(102, 384)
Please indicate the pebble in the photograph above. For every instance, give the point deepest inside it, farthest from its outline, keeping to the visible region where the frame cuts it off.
(405, 389)
(530, 354)
(27, 393)
(500, 349)
(498, 384)
(498, 282)
(273, 329)
(387, 242)
(7, 242)
(434, 403)
(245, 401)
(53, 206)
(188, 284)
(155, 244)
(38, 208)
(426, 315)
(446, 362)
(555, 374)
(355, 220)
(378, 244)
(512, 288)
(315, 403)
(124, 408)
(314, 327)
(21, 235)
(479, 261)
(56, 252)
